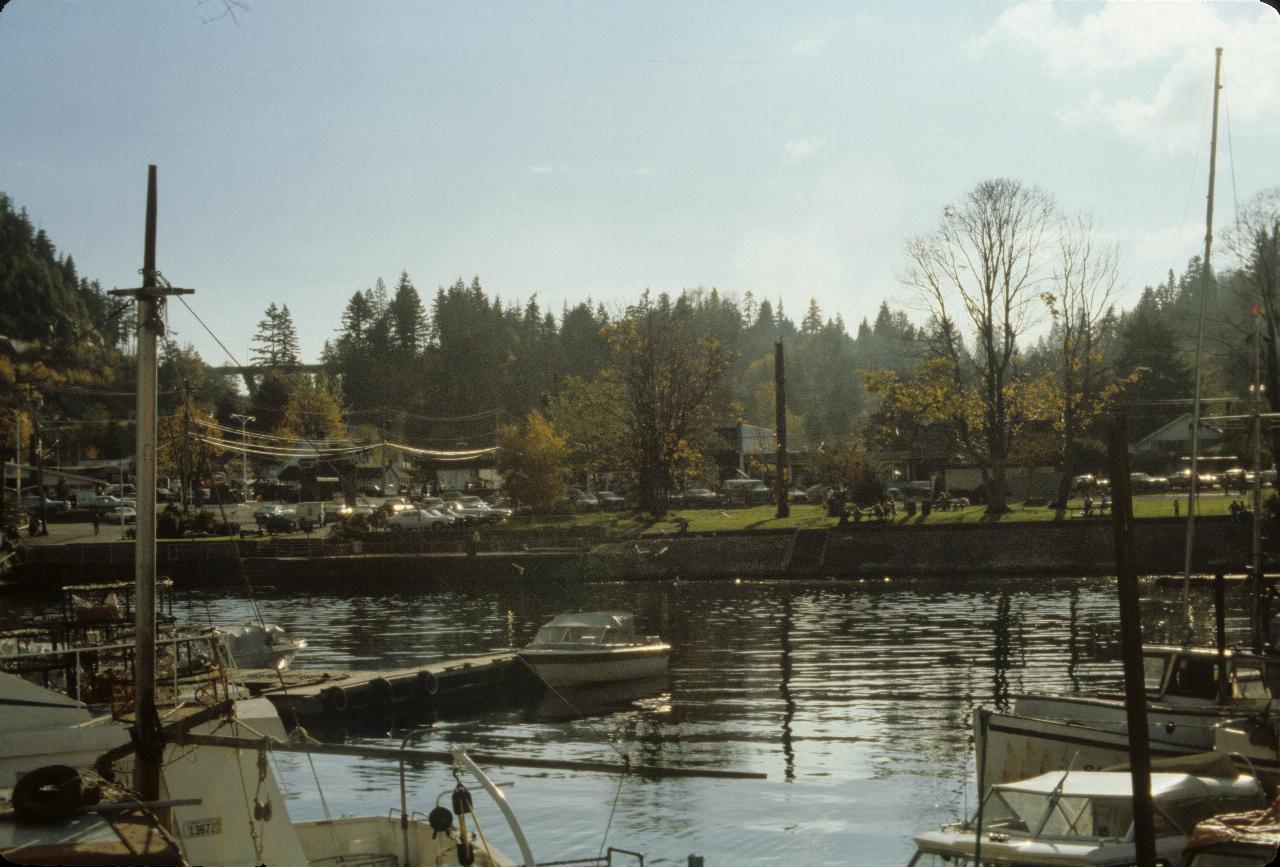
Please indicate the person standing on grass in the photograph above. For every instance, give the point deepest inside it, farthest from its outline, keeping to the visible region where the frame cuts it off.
(97, 521)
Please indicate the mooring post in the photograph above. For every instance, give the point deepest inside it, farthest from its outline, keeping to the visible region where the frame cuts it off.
(780, 396)
(1220, 620)
(1131, 642)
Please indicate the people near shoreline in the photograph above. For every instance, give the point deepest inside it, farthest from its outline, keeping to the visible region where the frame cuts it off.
(1088, 505)
(1177, 509)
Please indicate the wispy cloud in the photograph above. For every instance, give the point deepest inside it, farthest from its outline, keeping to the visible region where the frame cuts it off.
(642, 171)
(809, 44)
(1171, 42)
(803, 149)
(542, 170)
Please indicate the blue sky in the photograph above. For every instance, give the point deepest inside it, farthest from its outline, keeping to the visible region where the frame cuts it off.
(579, 149)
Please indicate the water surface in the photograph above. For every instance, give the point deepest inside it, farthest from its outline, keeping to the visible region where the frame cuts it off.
(854, 697)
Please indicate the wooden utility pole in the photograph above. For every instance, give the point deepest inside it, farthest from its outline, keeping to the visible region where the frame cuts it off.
(150, 299)
(780, 395)
(1131, 643)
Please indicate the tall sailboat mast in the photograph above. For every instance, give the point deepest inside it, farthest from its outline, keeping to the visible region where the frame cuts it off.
(1204, 303)
(150, 299)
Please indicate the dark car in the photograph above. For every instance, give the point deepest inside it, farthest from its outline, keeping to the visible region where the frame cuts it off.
(281, 522)
(609, 501)
(700, 498)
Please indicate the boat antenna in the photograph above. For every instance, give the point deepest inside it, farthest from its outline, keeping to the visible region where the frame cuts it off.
(1204, 303)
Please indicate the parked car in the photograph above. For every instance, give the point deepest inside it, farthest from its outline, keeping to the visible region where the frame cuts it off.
(120, 515)
(795, 495)
(496, 514)
(467, 515)
(395, 504)
(700, 498)
(1141, 483)
(37, 503)
(747, 492)
(582, 500)
(103, 502)
(267, 510)
(283, 521)
(419, 519)
(609, 501)
(337, 511)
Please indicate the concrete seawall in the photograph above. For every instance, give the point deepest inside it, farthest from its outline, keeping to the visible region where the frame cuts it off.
(1076, 547)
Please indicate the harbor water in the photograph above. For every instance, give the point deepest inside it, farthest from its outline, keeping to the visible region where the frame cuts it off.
(854, 697)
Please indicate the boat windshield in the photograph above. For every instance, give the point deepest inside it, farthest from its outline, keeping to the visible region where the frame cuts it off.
(567, 635)
(1153, 669)
(1024, 813)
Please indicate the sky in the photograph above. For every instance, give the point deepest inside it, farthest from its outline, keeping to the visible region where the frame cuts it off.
(591, 148)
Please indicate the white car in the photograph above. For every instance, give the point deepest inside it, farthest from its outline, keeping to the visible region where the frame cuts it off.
(491, 513)
(411, 519)
(120, 515)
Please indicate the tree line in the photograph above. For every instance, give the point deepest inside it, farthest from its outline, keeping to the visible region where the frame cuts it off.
(1022, 350)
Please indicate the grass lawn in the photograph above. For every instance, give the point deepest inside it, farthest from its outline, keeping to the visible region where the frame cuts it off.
(802, 516)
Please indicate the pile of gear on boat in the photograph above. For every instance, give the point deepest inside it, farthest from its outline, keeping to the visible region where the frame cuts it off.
(1057, 790)
(74, 796)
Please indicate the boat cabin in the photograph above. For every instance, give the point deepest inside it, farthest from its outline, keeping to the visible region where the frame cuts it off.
(588, 628)
(1083, 818)
(1189, 675)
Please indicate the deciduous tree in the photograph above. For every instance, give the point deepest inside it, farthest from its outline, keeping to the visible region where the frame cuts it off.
(978, 273)
(532, 462)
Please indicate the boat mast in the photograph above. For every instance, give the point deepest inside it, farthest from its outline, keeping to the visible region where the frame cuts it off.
(1256, 626)
(150, 299)
(1204, 302)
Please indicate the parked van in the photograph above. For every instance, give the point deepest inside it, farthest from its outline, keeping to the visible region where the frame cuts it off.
(747, 492)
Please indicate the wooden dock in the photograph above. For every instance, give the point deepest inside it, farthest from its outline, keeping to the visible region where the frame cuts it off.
(333, 693)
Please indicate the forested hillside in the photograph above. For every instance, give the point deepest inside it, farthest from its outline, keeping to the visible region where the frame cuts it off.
(446, 372)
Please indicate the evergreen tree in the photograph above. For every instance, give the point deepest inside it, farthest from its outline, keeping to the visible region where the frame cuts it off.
(276, 342)
(812, 321)
(408, 318)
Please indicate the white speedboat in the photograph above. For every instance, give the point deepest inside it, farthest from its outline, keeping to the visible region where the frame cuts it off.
(594, 647)
(1085, 818)
(259, 645)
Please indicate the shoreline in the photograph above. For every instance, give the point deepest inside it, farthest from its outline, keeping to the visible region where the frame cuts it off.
(1051, 549)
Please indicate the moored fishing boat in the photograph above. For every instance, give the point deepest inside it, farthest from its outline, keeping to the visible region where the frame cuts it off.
(594, 647)
(1085, 818)
(1185, 706)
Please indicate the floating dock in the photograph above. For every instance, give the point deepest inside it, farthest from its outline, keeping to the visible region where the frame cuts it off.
(333, 693)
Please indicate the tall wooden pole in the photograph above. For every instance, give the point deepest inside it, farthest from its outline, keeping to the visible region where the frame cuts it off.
(1204, 305)
(150, 300)
(780, 395)
(1131, 642)
(151, 743)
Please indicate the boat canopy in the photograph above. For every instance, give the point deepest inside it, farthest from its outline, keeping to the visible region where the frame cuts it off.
(588, 627)
(1108, 784)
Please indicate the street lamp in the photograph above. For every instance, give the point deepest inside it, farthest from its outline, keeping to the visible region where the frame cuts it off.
(244, 446)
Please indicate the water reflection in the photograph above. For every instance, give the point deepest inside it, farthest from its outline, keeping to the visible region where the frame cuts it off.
(853, 696)
(784, 689)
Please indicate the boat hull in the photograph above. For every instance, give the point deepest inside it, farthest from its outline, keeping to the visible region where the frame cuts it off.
(560, 667)
(1011, 747)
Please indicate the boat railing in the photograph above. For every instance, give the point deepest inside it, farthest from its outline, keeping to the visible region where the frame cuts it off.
(103, 673)
(604, 860)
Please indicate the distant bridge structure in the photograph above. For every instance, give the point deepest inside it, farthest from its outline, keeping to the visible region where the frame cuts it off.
(249, 374)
